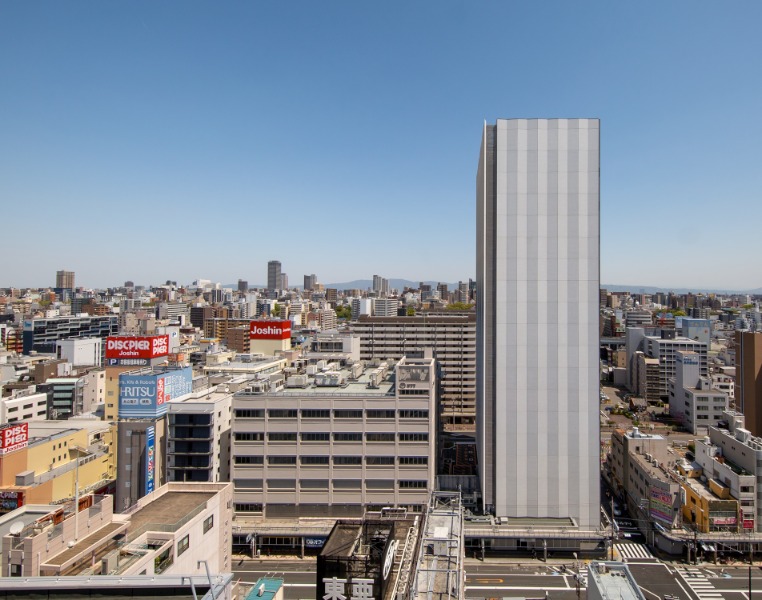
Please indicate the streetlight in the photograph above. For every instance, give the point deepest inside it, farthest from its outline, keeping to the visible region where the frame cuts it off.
(76, 492)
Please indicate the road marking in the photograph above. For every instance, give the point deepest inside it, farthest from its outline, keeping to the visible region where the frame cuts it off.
(513, 587)
(488, 580)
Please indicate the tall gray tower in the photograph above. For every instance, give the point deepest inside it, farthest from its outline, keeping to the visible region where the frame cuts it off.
(537, 326)
(273, 275)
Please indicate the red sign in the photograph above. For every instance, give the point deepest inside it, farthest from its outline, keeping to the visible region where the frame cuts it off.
(270, 330)
(152, 346)
(160, 390)
(14, 437)
(11, 501)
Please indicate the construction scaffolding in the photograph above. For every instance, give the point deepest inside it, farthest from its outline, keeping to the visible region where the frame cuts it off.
(439, 573)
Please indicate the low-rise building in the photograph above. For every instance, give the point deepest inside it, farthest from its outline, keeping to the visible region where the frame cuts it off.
(336, 442)
(45, 461)
(168, 532)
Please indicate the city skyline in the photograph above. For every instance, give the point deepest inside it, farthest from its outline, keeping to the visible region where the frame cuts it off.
(139, 119)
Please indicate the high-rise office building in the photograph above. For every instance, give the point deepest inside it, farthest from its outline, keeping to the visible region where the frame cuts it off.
(310, 282)
(65, 280)
(537, 329)
(273, 275)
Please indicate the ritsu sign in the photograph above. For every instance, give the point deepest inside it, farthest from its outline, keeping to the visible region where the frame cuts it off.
(270, 330)
(14, 437)
(137, 347)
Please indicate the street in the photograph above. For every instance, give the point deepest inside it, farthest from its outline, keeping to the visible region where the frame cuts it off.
(499, 578)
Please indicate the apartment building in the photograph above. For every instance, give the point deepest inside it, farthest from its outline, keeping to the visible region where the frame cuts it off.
(663, 345)
(692, 399)
(24, 405)
(730, 458)
(452, 340)
(199, 433)
(748, 361)
(335, 442)
(41, 335)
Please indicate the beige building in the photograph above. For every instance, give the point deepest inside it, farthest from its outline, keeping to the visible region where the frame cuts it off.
(168, 532)
(335, 442)
(452, 340)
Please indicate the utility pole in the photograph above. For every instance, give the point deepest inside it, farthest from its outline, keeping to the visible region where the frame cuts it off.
(751, 561)
(613, 522)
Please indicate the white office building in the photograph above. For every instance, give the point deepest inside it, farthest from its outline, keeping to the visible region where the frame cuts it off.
(537, 327)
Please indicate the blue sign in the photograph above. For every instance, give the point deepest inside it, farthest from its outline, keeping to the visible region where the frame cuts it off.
(148, 396)
(314, 542)
(150, 458)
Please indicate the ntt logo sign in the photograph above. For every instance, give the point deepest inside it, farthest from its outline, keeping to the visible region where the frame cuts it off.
(270, 330)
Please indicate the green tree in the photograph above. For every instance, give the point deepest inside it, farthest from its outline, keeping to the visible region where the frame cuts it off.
(275, 310)
(460, 306)
(410, 311)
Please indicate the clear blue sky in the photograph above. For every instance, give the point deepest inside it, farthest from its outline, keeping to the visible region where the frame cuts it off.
(181, 139)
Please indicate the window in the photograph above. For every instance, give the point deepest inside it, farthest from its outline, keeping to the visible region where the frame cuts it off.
(347, 484)
(413, 484)
(414, 460)
(379, 437)
(414, 437)
(183, 544)
(347, 414)
(208, 523)
(316, 414)
(249, 413)
(313, 484)
(316, 437)
(282, 413)
(314, 460)
(379, 484)
(247, 484)
(248, 507)
(347, 460)
(380, 414)
(413, 392)
(13, 409)
(249, 436)
(414, 414)
(347, 437)
(379, 460)
(249, 460)
(281, 437)
(281, 484)
(281, 460)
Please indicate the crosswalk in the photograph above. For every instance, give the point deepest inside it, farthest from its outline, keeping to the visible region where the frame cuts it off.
(632, 551)
(699, 583)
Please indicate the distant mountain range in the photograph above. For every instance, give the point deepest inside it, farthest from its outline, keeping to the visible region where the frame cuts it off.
(648, 289)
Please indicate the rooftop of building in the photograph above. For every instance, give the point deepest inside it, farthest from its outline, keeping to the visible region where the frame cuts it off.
(25, 515)
(117, 586)
(613, 581)
(438, 318)
(46, 431)
(169, 510)
(333, 379)
(265, 588)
